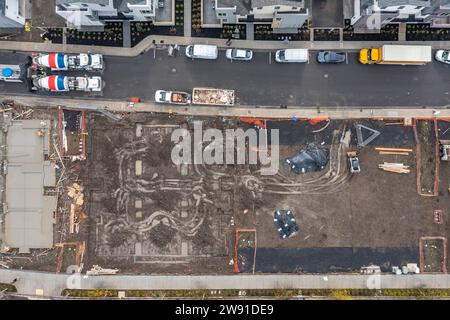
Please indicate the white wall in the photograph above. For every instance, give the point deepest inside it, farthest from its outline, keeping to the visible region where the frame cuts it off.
(12, 11)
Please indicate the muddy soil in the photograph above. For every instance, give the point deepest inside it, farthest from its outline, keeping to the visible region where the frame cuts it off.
(182, 220)
(433, 255)
(427, 139)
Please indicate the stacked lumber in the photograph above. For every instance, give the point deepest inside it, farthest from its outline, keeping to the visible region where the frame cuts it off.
(394, 167)
(76, 193)
(76, 215)
(394, 151)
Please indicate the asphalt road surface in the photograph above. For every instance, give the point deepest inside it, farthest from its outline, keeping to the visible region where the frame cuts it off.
(262, 83)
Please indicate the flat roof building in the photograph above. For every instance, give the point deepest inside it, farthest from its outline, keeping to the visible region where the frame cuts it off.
(13, 14)
(284, 15)
(29, 200)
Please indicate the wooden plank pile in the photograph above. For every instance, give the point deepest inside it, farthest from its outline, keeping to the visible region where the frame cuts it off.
(76, 215)
(394, 167)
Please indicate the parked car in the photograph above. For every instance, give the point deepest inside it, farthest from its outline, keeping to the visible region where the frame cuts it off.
(202, 51)
(331, 57)
(239, 54)
(292, 55)
(173, 97)
(443, 56)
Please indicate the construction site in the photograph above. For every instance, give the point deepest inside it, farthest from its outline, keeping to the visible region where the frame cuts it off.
(348, 194)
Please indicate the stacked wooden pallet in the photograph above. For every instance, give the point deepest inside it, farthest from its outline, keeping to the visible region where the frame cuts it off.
(394, 167)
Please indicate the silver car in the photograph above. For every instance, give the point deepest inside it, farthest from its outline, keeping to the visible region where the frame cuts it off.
(331, 57)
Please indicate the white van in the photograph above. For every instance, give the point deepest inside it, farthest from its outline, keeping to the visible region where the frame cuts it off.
(201, 51)
(292, 55)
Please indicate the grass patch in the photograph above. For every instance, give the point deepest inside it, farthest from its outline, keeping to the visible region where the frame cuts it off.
(340, 294)
(7, 287)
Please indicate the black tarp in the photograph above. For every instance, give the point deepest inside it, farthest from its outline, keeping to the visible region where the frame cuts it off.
(72, 119)
(285, 223)
(311, 158)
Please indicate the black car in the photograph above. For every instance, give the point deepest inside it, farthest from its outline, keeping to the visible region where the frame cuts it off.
(331, 57)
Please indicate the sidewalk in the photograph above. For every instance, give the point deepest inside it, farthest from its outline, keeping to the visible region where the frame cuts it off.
(52, 284)
(146, 44)
(267, 112)
(187, 24)
(126, 33)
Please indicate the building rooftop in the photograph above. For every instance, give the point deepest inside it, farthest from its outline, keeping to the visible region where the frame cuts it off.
(430, 5)
(6, 23)
(120, 5)
(102, 2)
(244, 6)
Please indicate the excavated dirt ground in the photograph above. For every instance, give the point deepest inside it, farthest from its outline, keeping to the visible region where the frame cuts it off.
(148, 215)
(433, 255)
(171, 219)
(426, 133)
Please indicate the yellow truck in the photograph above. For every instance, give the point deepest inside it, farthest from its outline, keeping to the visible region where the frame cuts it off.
(396, 54)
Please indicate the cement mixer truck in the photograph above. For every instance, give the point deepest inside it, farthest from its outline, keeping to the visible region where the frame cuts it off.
(64, 84)
(64, 62)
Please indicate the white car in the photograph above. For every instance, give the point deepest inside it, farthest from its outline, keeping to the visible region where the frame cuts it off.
(239, 54)
(292, 55)
(443, 56)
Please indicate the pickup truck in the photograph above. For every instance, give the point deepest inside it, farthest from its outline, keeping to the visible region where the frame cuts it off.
(172, 97)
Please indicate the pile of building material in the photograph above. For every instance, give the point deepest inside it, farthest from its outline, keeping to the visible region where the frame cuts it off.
(394, 151)
(97, 270)
(371, 269)
(76, 193)
(409, 268)
(76, 215)
(394, 167)
(213, 96)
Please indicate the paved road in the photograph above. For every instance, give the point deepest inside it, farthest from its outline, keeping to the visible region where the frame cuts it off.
(261, 83)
